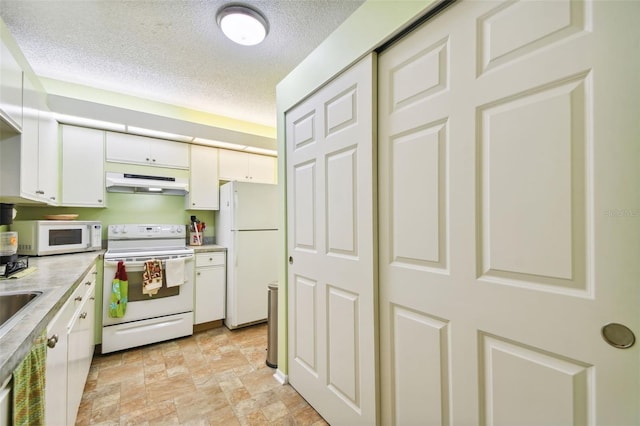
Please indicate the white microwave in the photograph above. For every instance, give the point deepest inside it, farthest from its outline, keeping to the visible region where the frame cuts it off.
(45, 237)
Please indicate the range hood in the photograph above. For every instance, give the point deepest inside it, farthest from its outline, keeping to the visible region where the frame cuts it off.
(144, 184)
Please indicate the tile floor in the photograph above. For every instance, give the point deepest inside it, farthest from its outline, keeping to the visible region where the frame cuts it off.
(213, 377)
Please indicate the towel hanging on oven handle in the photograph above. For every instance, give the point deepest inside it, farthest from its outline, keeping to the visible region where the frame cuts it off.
(119, 292)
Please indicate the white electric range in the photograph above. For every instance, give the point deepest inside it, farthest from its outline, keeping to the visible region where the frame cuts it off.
(168, 314)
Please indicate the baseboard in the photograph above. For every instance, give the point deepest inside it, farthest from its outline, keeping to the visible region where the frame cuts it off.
(282, 378)
(207, 326)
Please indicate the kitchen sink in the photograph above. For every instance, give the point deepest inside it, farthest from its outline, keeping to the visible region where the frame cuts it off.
(12, 304)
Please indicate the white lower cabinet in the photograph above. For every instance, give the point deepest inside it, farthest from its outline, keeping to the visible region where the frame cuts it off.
(5, 403)
(56, 370)
(70, 344)
(210, 291)
(81, 338)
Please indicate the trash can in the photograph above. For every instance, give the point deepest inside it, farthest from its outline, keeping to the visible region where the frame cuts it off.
(272, 326)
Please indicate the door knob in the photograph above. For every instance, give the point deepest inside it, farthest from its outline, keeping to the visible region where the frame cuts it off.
(618, 335)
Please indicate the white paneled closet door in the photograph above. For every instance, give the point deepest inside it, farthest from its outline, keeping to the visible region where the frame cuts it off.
(331, 276)
(510, 216)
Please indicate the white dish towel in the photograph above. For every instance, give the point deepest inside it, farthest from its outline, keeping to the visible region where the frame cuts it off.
(174, 271)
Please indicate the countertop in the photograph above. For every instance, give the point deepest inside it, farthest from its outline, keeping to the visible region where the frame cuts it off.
(56, 276)
(208, 248)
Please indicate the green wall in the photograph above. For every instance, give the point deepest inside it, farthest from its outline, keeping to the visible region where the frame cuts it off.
(128, 208)
(369, 27)
(123, 208)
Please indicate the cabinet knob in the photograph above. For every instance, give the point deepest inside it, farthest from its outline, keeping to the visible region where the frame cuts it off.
(52, 198)
(78, 299)
(147, 159)
(52, 341)
(87, 283)
(99, 201)
(198, 274)
(39, 191)
(83, 315)
(290, 260)
(154, 160)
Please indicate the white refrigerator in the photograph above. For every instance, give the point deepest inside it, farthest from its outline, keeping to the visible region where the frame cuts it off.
(246, 225)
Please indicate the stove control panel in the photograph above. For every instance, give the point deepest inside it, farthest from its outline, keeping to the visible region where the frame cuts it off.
(138, 231)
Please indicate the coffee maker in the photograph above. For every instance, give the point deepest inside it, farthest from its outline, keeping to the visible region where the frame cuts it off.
(10, 262)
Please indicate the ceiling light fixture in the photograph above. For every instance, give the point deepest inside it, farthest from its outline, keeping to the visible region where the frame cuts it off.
(242, 24)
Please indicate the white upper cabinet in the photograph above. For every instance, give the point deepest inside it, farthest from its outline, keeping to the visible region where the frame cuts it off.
(48, 161)
(82, 167)
(29, 160)
(29, 143)
(243, 166)
(125, 148)
(10, 88)
(203, 185)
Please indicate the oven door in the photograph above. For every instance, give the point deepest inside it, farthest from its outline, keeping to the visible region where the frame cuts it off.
(168, 301)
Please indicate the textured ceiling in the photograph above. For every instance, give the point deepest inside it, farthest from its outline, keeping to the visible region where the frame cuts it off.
(172, 51)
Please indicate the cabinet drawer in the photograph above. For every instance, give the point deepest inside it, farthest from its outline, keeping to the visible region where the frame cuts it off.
(210, 259)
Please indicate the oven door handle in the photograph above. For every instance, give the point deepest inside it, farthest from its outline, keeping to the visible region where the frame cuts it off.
(137, 265)
(131, 266)
(142, 261)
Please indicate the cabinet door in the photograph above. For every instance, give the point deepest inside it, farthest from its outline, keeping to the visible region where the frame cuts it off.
(48, 157)
(134, 149)
(262, 168)
(56, 371)
(203, 184)
(210, 294)
(29, 144)
(233, 165)
(123, 148)
(5, 403)
(82, 167)
(168, 153)
(81, 338)
(10, 88)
